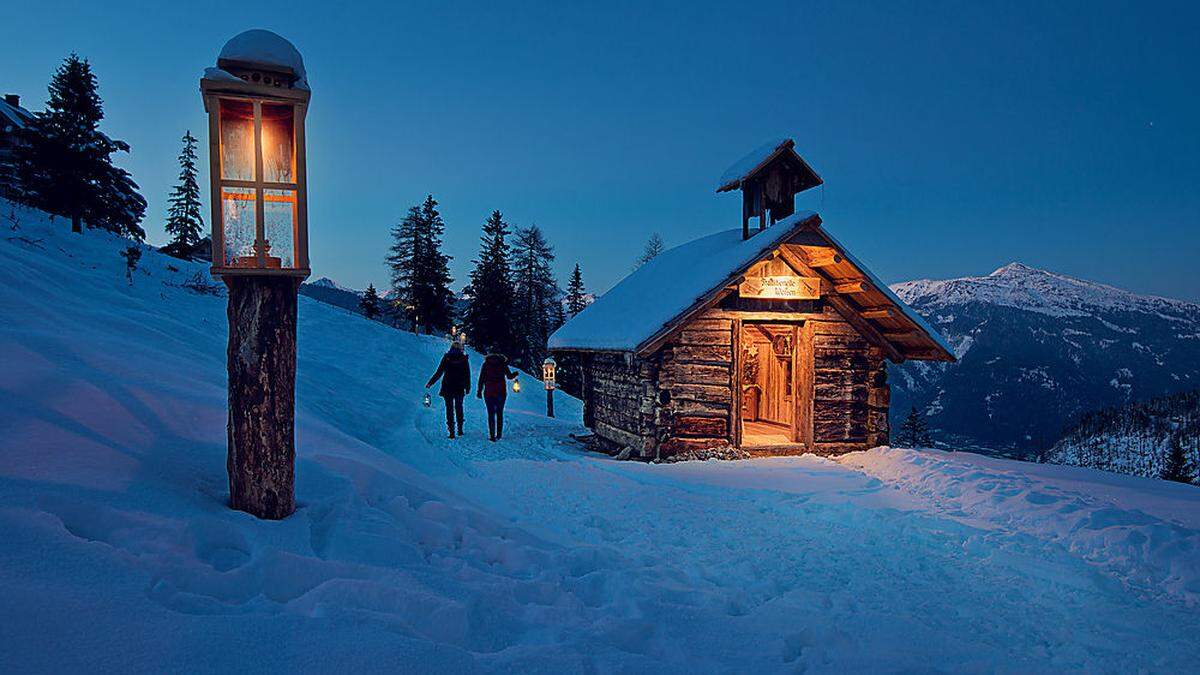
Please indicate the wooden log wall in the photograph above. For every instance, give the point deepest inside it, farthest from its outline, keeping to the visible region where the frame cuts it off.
(694, 409)
(850, 392)
(620, 396)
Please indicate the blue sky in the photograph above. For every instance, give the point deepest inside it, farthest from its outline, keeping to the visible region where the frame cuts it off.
(953, 137)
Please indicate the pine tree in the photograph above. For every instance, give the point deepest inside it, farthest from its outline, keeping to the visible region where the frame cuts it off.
(184, 221)
(64, 165)
(654, 246)
(420, 271)
(369, 305)
(1177, 466)
(913, 432)
(576, 295)
(488, 320)
(536, 294)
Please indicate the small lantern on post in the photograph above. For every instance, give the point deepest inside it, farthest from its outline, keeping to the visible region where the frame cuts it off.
(548, 373)
(257, 98)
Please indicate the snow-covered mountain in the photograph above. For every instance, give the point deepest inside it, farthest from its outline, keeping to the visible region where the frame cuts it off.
(1037, 350)
(330, 292)
(1134, 438)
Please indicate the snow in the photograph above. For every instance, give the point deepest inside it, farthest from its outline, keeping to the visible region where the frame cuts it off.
(741, 168)
(326, 282)
(412, 552)
(662, 289)
(265, 48)
(221, 75)
(1023, 287)
(17, 116)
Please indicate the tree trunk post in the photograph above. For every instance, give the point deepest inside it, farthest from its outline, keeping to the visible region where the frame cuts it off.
(76, 223)
(262, 395)
(549, 403)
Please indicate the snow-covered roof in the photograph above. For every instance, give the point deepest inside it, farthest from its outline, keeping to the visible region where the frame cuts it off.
(258, 47)
(751, 161)
(660, 292)
(754, 160)
(14, 115)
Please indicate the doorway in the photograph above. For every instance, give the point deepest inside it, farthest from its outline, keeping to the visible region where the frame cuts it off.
(767, 367)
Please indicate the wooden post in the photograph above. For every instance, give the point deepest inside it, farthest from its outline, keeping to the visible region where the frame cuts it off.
(549, 403)
(262, 394)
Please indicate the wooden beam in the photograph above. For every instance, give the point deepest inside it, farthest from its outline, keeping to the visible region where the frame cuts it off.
(901, 335)
(817, 256)
(868, 331)
(778, 317)
(878, 313)
(850, 287)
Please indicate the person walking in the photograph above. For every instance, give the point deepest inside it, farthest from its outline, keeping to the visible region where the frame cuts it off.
(493, 390)
(455, 374)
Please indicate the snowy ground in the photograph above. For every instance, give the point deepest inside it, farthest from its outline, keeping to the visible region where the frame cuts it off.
(412, 552)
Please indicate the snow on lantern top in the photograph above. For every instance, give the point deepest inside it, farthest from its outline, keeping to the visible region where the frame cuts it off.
(262, 52)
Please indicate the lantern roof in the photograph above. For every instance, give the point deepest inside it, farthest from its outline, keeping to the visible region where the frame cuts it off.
(259, 48)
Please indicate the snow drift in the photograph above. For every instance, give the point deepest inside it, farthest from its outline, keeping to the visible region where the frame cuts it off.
(410, 552)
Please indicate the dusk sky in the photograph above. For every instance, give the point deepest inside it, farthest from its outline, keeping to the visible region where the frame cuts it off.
(953, 138)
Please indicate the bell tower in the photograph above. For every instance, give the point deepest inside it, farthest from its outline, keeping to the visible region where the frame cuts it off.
(769, 178)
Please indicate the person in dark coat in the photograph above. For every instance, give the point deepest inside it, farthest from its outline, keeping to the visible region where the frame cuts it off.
(455, 374)
(494, 391)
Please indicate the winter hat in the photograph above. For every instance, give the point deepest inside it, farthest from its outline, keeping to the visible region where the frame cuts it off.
(455, 347)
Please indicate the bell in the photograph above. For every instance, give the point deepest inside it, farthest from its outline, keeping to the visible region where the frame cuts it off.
(516, 386)
(427, 400)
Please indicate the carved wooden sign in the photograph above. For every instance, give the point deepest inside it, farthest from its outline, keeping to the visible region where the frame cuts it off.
(781, 288)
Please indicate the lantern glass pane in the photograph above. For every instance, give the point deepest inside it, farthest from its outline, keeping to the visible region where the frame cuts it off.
(237, 215)
(279, 227)
(278, 139)
(237, 140)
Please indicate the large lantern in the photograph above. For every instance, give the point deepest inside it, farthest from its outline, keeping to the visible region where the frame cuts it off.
(256, 99)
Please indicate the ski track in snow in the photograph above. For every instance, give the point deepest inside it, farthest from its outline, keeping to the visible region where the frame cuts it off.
(412, 552)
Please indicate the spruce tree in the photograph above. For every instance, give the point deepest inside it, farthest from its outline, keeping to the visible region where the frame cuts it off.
(654, 246)
(576, 294)
(64, 165)
(184, 221)
(420, 271)
(536, 295)
(1177, 467)
(488, 320)
(913, 432)
(369, 305)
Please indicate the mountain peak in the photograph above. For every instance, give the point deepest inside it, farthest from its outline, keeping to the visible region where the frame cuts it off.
(326, 282)
(1014, 269)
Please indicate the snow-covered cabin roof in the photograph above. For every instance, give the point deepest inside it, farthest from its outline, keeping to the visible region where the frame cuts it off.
(14, 115)
(664, 291)
(759, 158)
(259, 48)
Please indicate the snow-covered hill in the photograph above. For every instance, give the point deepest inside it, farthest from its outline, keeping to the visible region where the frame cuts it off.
(1135, 438)
(1037, 350)
(410, 552)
